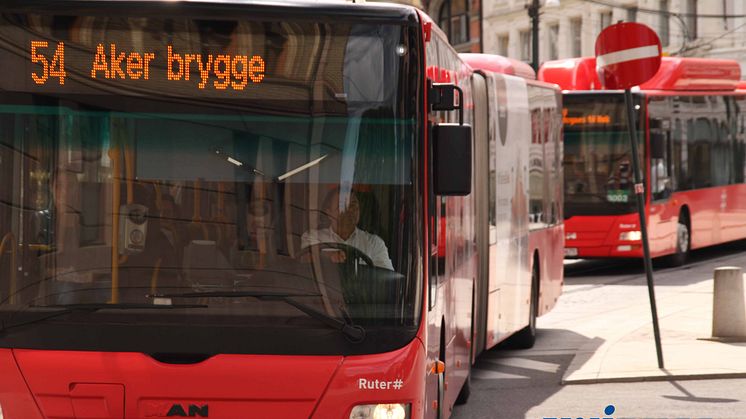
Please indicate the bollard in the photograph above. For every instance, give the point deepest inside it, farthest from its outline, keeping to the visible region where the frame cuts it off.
(728, 307)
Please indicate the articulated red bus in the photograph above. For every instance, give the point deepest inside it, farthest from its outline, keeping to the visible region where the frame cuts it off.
(235, 209)
(691, 127)
(510, 107)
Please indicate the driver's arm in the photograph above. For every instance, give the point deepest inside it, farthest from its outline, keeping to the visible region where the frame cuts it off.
(308, 239)
(379, 254)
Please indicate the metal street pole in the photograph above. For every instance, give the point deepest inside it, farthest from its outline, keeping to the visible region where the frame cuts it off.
(640, 193)
(533, 13)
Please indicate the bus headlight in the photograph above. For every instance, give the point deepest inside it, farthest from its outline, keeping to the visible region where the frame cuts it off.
(380, 411)
(630, 236)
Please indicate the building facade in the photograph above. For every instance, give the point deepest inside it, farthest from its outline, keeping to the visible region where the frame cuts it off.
(461, 20)
(569, 29)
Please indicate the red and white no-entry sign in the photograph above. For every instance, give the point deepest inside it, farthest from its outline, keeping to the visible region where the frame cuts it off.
(627, 54)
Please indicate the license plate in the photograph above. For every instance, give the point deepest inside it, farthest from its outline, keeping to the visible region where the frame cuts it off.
(571, 251)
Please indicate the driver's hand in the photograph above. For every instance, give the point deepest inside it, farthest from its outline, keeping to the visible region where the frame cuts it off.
(336, 256)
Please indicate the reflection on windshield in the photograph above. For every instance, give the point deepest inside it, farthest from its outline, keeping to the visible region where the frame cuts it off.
(154, 208)
(598, 165)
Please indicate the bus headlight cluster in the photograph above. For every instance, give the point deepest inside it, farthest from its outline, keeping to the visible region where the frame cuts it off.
(380, 411)
(630, 236)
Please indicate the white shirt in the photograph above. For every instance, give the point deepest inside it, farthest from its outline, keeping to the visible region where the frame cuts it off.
(368, 243)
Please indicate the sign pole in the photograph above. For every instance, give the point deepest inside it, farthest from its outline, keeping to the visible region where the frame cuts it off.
(640, 194)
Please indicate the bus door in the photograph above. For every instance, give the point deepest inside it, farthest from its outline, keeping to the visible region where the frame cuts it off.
(663, 210)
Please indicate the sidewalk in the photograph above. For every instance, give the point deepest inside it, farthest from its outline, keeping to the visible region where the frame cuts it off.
(622, 347)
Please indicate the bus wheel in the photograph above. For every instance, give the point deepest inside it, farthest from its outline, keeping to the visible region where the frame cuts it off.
(683, 242)
(526, 337)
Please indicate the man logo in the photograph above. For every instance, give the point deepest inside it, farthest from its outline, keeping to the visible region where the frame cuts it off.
(191, 411)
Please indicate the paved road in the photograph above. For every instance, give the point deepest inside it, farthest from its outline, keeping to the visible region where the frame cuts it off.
(525, 384)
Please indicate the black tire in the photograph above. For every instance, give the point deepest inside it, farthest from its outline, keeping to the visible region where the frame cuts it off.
(526, 337)
(683, 242)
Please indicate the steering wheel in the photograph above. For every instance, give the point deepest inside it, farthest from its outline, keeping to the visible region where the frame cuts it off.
(351, 252)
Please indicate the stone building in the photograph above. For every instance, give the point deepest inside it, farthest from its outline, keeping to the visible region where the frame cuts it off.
(460, 19)
(568, 28)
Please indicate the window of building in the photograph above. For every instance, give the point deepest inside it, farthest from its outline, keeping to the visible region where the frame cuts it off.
(553, 33)
(576, 31)
(502, 45)
(632, 14)
(664, 23)
(730, 9)
(454, 20)
(525, 39)
(605, 18)
(691, 18)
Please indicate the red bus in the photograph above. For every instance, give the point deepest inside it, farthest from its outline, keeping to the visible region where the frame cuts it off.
(235, 209)
(691, 128)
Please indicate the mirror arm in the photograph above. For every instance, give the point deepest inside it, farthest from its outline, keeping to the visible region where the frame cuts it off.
(460, 105)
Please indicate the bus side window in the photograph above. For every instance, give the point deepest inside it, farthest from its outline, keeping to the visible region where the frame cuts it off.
(699, 142)
(739, 152)
(660, 179)
(678, 175)
(721, 153)
(739, 148)
(537, 183)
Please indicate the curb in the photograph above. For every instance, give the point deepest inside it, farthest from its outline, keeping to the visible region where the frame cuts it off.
(645, 378)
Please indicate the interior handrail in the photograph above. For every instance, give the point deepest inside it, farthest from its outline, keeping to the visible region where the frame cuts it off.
(115, 156)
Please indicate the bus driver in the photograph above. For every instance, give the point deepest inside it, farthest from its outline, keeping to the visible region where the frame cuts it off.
(343, 229)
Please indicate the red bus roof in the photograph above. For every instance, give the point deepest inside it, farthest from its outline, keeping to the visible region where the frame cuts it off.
(499, 64)
(675, 73)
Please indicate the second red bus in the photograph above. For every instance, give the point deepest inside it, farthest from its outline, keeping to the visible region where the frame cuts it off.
(690, 117)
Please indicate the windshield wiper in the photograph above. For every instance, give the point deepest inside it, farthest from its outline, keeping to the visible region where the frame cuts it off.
(353, 332)
(238, 163)
(62, 309)
(301, 168)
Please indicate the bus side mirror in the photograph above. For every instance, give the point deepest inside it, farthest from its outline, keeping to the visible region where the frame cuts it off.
(452, 154)
(657, 145)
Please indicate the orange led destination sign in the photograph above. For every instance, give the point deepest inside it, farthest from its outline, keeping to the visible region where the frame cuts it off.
(109, 62)
(590, 119)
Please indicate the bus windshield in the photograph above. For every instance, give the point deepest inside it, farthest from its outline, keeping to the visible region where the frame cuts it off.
(598, 162)
(255, 175)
